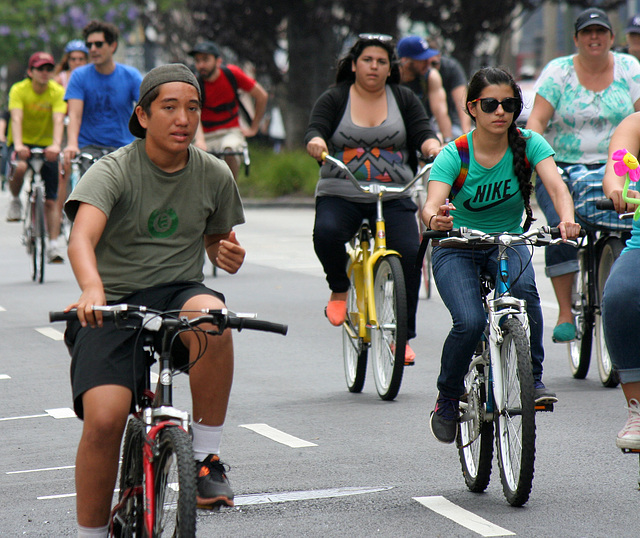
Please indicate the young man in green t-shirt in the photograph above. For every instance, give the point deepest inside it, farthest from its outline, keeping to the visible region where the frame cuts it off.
(144, 216)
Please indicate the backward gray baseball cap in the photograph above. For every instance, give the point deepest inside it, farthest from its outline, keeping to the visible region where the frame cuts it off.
(153, 79)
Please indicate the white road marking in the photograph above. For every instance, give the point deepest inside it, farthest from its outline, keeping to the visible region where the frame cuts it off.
(463, 517)
(2, 309)
(286, 496)
(278, 436)
(4, 376)
(41, 470)
(49, 497)
(61, 412)
(267, 498)
(52, 333)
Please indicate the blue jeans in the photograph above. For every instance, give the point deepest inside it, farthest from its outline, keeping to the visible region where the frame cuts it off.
(338, 219)
(621, 316)
(456, 275)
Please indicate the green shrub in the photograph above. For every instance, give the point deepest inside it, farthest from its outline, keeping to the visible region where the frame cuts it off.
(271, 175)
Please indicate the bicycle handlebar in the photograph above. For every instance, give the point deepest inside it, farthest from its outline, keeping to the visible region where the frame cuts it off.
(376, 188)
(153, 320)
(543, 236)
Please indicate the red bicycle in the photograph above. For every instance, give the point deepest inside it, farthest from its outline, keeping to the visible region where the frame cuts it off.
(157, 495)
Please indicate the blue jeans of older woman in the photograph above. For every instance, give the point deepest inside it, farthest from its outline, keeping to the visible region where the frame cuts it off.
(621, 316)
(456, 275)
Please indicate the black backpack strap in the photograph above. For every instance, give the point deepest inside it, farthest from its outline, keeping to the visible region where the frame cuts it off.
(234, 84)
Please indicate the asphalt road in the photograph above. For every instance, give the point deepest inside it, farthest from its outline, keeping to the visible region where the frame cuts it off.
(307, 457)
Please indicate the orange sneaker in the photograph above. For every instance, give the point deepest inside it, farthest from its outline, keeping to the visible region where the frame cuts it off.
(409, 356)
(336, 312)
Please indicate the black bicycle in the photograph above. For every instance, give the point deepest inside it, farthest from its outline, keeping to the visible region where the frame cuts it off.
(597, 252)
(157, 495)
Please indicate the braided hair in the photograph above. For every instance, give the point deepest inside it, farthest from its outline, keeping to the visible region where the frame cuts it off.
(490, 76)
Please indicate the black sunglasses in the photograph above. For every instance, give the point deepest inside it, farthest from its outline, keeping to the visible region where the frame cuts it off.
(376, 37)
(45, 67)
(489, 104)
(98, 44)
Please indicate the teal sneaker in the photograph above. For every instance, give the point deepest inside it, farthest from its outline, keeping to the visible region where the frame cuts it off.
(563, 333)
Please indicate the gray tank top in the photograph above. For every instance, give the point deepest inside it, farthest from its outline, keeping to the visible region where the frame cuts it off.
(377, 154)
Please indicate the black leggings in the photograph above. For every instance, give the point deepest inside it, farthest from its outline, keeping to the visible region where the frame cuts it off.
(338, 219)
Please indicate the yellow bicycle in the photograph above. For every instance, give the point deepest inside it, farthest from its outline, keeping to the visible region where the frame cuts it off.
(376, 300)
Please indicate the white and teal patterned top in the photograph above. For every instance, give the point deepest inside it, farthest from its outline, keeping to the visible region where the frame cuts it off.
(583, 122)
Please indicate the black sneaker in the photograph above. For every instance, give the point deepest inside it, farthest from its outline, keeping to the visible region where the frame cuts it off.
(213, 486)
(543, 394)
(444, 419)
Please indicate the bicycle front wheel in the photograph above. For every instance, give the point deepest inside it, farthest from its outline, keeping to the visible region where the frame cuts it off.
(580, 348)
(128, 515)
(354, 349)
(610, 253)
(389, 337)
(475, 436)
(516, 427)
(175, 483)
(39, 237)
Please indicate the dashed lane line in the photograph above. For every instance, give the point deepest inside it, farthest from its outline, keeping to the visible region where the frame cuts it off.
(24, 471)
(4, 376)
(58, 413)
(278, 436)
(52, 333)
(463, 517)
(280, 497)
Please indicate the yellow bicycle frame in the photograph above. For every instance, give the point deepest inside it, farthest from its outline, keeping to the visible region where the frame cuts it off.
(361, 267)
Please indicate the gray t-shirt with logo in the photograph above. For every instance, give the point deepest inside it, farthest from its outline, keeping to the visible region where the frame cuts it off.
(156, 220)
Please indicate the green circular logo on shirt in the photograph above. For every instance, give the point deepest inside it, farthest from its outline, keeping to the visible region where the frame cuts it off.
(163, 222)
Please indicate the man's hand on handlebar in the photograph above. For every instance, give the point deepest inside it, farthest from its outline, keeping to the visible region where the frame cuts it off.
(91, 295)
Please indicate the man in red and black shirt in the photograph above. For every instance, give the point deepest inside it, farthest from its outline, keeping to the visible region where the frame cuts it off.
(220, 127)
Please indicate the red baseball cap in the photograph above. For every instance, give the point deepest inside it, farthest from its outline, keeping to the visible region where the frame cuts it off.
(40, 58)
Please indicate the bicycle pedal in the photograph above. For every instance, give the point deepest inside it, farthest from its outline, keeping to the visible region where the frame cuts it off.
(630, 450)
(544, 406)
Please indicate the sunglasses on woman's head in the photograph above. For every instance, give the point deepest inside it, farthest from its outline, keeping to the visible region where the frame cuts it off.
(489, 104)
(376, 37)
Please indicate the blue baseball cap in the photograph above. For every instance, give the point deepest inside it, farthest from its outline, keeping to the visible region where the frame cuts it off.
(416, 48)
(76, 45)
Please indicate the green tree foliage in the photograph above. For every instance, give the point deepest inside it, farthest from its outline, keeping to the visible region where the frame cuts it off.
(27, 26)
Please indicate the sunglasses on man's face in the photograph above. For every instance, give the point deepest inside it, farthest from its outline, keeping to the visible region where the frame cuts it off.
(47, 67)
(489, 104)
(97, 44)
(375, 37)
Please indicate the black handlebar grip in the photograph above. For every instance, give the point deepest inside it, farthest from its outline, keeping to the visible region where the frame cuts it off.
(257, 325)
(72, 314)
(605, 203)
(62, 316)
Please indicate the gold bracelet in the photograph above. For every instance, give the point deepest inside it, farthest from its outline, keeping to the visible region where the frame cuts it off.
(429, 225)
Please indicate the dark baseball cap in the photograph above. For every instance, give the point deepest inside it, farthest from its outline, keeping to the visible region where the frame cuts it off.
(39, 59)
(153, 79)
(593, 16)
(416, 48)
(205, 47)
(633, 26)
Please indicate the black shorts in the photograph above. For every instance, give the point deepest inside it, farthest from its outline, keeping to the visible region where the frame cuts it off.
(111, 356)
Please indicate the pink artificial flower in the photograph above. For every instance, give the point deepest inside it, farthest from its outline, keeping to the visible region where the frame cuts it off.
(626, 163)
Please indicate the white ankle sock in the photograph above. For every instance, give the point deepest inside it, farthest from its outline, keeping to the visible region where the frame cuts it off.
(206, 440)
(93, 532)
